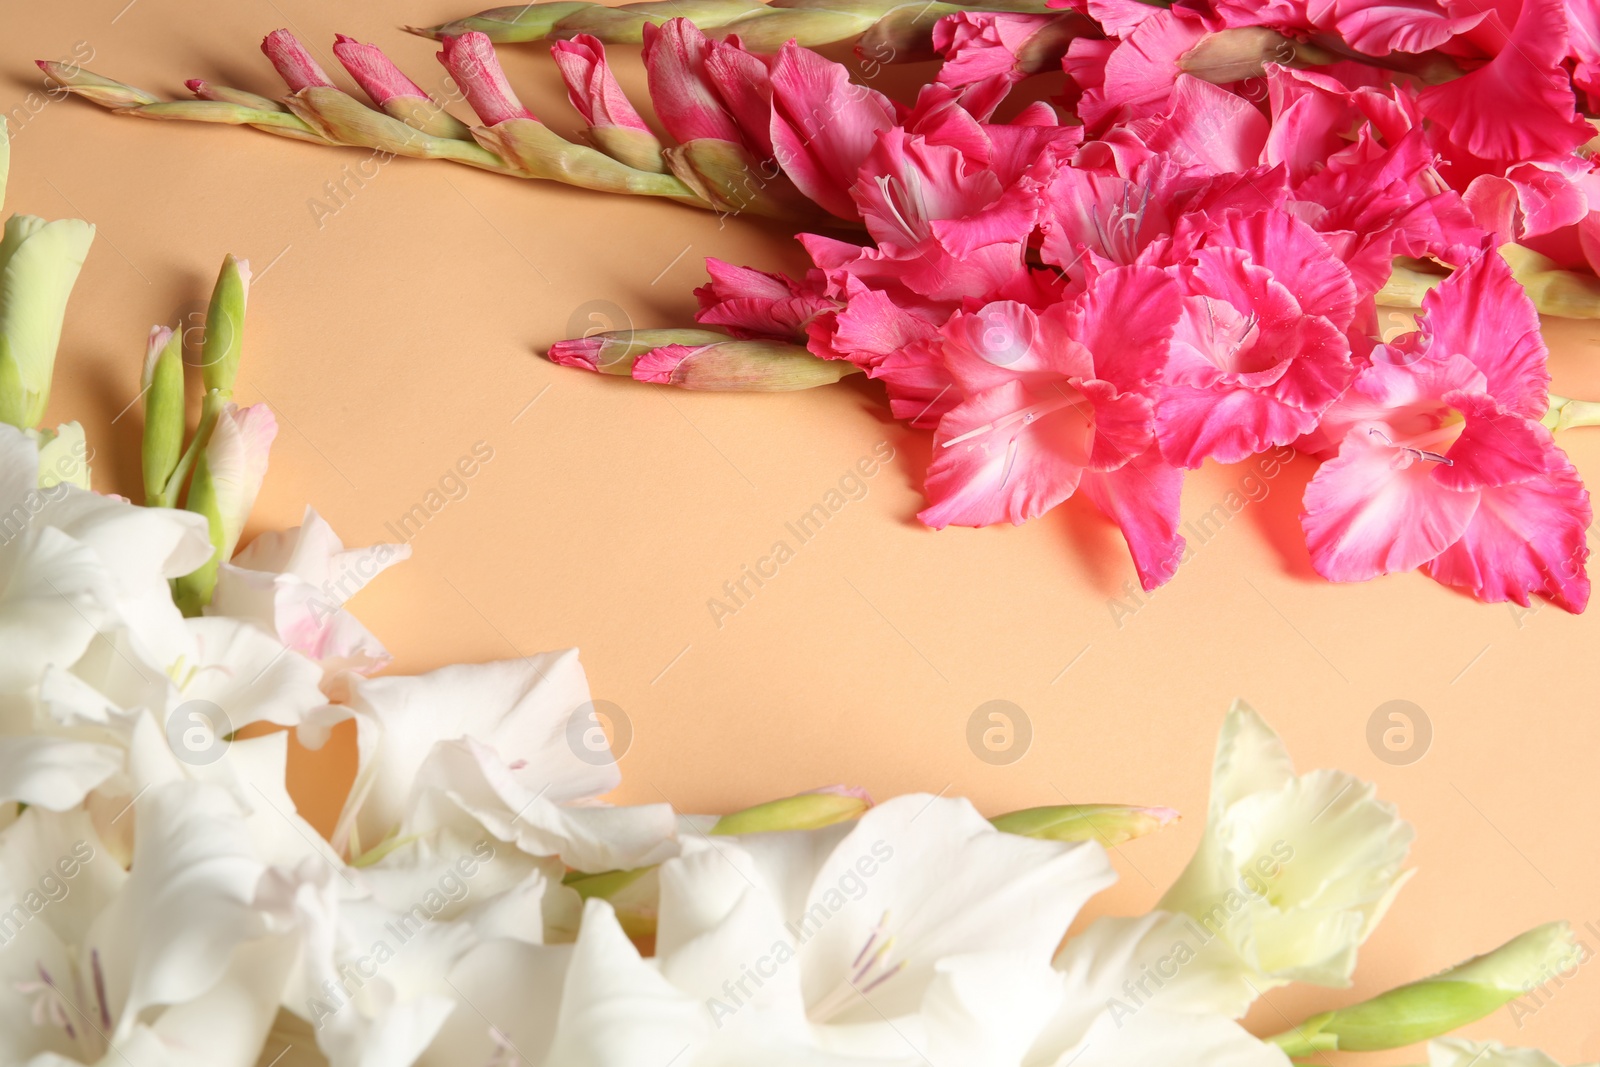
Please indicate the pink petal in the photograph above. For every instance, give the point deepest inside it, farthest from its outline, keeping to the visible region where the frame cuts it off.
(1207, 126)
(744, 84)
(753, 303)
(1378, 28)
(1224, 423)
(1375, 509)
(1482, 313)
(471, 61)
(1520, 105)
(591, 86)
(1495, 447)
(1126, 319)
(293, 63)
(1298, 258)
(823, 126)
(1142, 499)
(1139, 73)
(685, 101)
(1120, 17)
(1525, 539)
(375, 72)
(992, 462)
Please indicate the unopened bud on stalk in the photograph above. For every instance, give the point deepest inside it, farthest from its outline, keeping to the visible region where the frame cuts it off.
(293, 62)
(770, 29)
(91, 86)
(164, 415)
(615, 126)
(229, 113)
(471, 61)
(740, 367)
(614, 352)
(1434, 1006)
(227, 478)
(204, 90)
(505, 25)
(1560, 293)
(39, 264)
(1244, 52)
(224, 341)
(393, 92)
(342, 119)
(807, 811)
(725, 175)
(1565, 413)
(1109, 824)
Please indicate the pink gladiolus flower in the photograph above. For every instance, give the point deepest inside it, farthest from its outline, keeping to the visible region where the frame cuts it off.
(1441, 462)
(753, 303)
(1259, 352)
(292, 62)
(986, 53)
(375, 72)
(471, 61)
(686, 101)
(823, 126)
(591, 86)
(1053, 397)
(1378, 28)
(1520, 106)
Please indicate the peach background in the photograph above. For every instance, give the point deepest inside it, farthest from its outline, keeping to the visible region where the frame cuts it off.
(407, 326)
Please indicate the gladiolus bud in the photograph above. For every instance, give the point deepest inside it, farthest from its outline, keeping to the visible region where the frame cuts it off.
(1564, 294)
(91, 86)
(224, 341)
(204, 90)
(505, 25)
(614, 352)
(740, 366)
(393, 92)
(63, 456)
(162, 382)
(1235, 54)
(227, 478)
(807, 811)
(1566, 413)
(292, 62)
(1109, 824)
(614, 124)
(471, 61)
(39, 264)
(1434, 1006)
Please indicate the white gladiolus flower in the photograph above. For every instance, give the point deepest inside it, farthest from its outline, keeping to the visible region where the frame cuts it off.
(1294, 871)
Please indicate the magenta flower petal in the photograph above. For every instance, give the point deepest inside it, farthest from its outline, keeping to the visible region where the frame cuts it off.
(375, 72)
(1520, 106)
(292, 62)
(471, 61)
(591, 85)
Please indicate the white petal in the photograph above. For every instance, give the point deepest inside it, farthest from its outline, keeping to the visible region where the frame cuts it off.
(55, 597)
(51, 772)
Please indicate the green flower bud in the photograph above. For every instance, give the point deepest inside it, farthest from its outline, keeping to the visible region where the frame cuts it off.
(735, 366)
(1566, 413)
(807, 811)
(219, 356)
(1109, 824)
(164, 415)
(342, 119)
(91, 86)
(1434, 1006)
(39, 264)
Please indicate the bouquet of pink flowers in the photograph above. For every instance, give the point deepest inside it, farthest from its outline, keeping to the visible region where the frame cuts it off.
(1179, 260)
